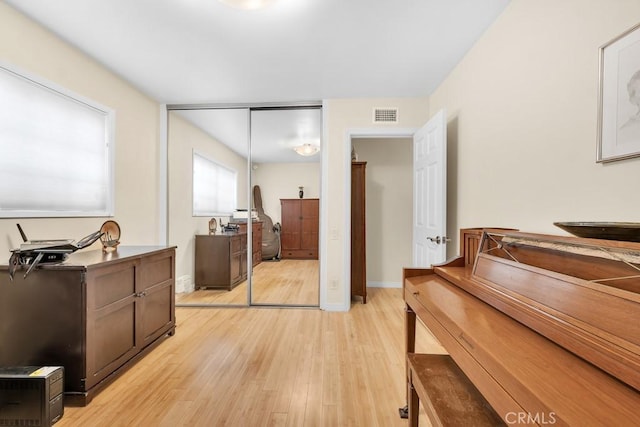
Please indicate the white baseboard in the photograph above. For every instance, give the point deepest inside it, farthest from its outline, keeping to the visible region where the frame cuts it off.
(184, 284)
(336, 307)
(384, 285)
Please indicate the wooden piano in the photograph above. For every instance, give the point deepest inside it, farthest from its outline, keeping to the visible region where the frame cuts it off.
(545, 328)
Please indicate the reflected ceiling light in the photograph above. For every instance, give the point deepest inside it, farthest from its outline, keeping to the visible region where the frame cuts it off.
(306, 149)
(247, 4)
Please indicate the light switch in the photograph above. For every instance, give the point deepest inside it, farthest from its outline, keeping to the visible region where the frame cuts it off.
(334, 234)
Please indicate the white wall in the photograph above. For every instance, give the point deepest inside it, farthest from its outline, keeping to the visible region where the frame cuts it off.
(28, 46)
(184, 138)
(389, 210)
(281, 181)
(522, 109)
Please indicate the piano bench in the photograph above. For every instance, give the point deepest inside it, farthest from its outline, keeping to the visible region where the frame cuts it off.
(448, 396)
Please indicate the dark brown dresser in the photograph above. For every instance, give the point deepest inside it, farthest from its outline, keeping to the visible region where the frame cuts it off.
(220, 260)
(256, 240)
(95, 314)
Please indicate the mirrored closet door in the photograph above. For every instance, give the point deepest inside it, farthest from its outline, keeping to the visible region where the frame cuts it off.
(207, 183)
(231, 167)
(285, 182)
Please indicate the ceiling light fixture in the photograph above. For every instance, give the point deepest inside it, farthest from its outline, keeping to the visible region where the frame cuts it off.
(306, 149)
(247, 4)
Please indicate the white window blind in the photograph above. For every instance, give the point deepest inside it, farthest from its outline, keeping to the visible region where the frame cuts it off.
(55, 151)
(214, 187)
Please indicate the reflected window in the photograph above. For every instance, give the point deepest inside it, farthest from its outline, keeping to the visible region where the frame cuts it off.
(214, 187)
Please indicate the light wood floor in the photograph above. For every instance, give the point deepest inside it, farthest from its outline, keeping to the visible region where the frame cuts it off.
(285, 282)
(267, 367)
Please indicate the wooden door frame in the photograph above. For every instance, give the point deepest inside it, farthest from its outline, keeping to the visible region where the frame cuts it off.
(349, 135)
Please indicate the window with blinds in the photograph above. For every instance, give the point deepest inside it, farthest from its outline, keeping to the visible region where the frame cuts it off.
(56, 150)
(214, 187)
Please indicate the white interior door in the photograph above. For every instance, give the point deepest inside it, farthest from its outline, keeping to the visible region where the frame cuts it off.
(430, 192)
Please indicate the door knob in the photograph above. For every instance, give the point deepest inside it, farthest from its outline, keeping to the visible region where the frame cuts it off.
(437, 240)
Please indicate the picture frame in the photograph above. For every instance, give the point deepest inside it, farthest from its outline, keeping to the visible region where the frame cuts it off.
(619, 98)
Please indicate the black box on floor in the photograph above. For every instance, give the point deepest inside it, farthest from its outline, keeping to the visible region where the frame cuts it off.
(31, 395)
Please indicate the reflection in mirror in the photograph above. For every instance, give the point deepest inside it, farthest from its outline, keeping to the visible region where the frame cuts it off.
(279, 265)
(285, 190)
(207, 184)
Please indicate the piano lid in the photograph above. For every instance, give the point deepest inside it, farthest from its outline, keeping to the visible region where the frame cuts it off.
(584, 294)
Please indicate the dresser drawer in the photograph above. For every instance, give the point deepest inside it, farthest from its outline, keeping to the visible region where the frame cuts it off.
(238, 243)
(300, 253)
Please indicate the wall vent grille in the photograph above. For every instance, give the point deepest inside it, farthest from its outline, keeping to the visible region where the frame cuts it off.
(385, 115)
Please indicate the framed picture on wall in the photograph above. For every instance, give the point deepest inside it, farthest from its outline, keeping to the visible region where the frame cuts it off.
(619, 100)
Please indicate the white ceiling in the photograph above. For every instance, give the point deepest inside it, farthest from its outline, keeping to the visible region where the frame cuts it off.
(204, 52)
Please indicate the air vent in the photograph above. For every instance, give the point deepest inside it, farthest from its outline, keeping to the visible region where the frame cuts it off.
(385, 115)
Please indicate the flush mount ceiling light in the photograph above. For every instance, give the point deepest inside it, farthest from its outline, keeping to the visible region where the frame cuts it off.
(248, 4)
(306, 149)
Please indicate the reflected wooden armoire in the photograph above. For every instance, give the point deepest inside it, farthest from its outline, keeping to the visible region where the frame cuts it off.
(358, 232)
(300, 225)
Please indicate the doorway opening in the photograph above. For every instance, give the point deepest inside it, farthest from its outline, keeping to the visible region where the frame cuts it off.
(428, 195)
(388, 207)
(388, 211)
